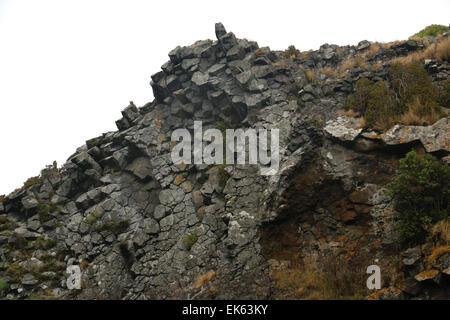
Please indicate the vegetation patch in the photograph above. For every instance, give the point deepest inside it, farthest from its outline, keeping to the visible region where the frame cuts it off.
(45, 209)
(31, 182)
(93, 217)
(116, 227)
(189, 240)
(3, 284)
(45, 244)
(431, 30)
(421, 193)
(409, 98)
(222, 174)
(6, 224)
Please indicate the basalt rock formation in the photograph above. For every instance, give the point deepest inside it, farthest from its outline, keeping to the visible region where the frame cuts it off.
(141, 227)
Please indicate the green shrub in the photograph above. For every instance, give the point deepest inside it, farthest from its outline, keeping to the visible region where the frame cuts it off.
(44, 210)
(31, 182)
(2, 197)
(431, 30)
(409, 82)
(189, 240)
(421, 193)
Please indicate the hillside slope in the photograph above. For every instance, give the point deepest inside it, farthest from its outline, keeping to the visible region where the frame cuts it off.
(141, 227)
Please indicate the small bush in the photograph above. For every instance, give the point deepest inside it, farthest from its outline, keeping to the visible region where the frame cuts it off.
(431, 30)
(292, 52)
(31, 182)
(45, 208)
(421, 193)
(189, 240)
(2, 197)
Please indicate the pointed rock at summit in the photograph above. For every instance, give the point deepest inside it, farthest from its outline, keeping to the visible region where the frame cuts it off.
(220, 30)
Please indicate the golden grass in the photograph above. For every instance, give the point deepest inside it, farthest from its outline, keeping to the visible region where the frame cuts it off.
(414, 116)
(204, 278)
(281, 63)
(350, 63)
(309, 281)
(437, 252)
(438, 51)
(309, 75)
(441, 230)
(330, 72)
(301, 282)
(260, 52)
(387, 45)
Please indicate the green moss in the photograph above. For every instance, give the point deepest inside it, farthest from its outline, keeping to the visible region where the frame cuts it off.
(297, 99)
(41, 243)
(421, 194)
(6, 224)
(222, 174)
(45, 208)
(3, 284)
(189, 240)
(117, 227)
(93, 217)
(17, 243)
(15, 271)
(431, 30)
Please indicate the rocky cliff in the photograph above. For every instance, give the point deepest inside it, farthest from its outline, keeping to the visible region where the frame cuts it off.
(141, 227)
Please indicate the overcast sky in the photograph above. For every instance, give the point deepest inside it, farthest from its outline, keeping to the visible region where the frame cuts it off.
(67, 68)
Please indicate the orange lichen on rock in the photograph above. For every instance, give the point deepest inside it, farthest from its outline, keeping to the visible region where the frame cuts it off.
(427, 275)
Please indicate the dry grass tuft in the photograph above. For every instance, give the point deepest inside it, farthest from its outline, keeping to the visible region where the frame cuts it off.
(309, 75)
(437, 252)
(440, 236)
(260, 52)
(441, 231)
(416, 116)
(204, 278)
(438, 51)
(329, 72)
(281, 63)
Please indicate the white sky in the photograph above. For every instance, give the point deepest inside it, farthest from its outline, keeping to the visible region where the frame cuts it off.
(67, 68)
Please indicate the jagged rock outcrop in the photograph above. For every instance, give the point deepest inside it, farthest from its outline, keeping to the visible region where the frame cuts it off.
(142, 227)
